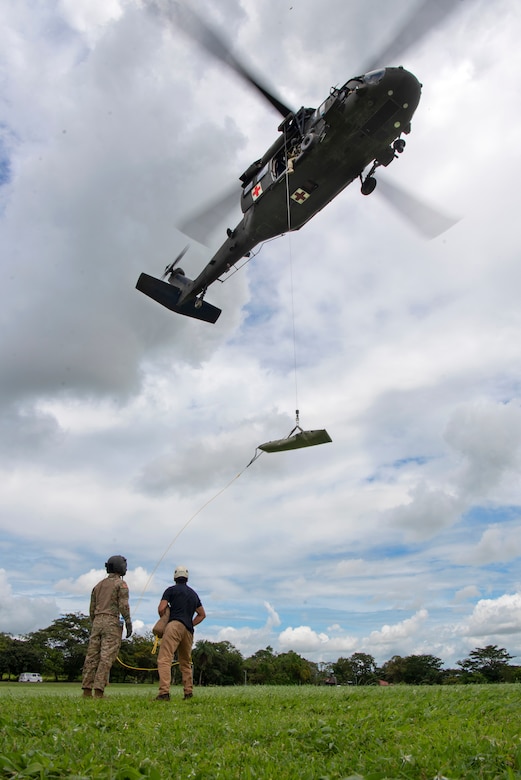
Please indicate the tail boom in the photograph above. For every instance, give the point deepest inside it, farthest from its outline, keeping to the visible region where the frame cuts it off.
(168, 295)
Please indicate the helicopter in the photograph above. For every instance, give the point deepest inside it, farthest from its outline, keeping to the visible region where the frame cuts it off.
(358, 128)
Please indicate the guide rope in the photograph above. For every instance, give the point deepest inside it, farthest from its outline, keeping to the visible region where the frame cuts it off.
(142, 668)
(185, 526)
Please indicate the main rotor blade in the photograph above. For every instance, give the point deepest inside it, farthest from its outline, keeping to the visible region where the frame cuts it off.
(201, 224)
(181, 16)
(423, 19)
(425, 219)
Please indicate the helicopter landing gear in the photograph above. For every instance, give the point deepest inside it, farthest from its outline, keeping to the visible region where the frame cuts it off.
(368, 185)
(385, 157)
(200, 299)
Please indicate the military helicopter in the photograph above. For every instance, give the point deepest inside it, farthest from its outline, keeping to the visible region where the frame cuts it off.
(357, 129)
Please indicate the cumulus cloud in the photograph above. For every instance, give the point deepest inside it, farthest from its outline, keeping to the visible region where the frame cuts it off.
(247, 639)
(352, 567)
(302, 638)
(493, 618)
(497, 543)
(488, 436)
(138, 580)
(81, 585)
(273, 619)
(428, 512)
(467, 593)
(22, 614)
(401, 634)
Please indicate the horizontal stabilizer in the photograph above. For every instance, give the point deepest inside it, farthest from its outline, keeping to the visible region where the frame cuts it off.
(302, 439)
(168, 295)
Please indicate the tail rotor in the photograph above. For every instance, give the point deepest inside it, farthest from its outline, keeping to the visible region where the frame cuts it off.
(172, 269)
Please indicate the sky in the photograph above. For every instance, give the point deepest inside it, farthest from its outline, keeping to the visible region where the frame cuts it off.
(127, 429)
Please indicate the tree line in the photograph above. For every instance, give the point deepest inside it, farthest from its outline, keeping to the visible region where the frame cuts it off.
(58, 652)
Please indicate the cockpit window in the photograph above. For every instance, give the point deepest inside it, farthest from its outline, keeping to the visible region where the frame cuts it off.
(374, 76)
(324, 107)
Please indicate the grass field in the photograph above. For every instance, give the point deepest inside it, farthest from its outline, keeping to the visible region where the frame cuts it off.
(284, 733)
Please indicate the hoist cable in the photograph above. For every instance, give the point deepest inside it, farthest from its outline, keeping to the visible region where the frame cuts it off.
(290, 253)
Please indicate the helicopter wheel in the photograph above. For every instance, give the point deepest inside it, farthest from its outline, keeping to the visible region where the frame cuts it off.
(308, 141)
(368, 185)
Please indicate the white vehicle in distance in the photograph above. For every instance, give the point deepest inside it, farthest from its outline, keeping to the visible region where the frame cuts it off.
(30, 677)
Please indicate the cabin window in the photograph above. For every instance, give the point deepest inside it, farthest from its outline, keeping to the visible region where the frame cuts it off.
(262, 173)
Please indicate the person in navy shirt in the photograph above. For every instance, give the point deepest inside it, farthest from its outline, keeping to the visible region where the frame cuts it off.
(186, 611)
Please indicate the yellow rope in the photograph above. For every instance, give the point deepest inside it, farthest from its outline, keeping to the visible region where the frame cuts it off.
(137, 668)
(143, 668)
(157, 642)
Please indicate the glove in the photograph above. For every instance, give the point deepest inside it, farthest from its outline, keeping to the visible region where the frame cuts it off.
(128, 625)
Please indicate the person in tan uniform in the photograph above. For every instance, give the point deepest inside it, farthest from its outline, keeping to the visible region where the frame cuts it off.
(109, 600)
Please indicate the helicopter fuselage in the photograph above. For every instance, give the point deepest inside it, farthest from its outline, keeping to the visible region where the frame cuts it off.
(317, 154)
(312, 163)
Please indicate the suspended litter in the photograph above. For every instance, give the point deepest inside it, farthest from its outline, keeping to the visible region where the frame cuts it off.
(296, 440)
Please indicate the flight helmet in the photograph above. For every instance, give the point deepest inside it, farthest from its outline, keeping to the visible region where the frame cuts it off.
(116, 564)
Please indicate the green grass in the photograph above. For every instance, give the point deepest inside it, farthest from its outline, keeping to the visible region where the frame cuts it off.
(293, 733)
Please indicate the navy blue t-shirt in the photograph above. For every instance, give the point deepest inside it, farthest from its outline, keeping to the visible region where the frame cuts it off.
(183, 602)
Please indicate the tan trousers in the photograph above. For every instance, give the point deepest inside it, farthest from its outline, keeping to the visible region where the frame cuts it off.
(104, 644)
(176, 637)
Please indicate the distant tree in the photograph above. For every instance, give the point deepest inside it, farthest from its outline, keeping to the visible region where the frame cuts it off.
(260, 667)
(413, 669)
(63, 645)
(138, 663)
(5, 644)
(487, 664)
(358, 669)
(343, 671)
(364, 668)
(393, 670)
(422, 669)
(452, 676)
(217, 663)
(321, 671)
(16, 656)
(316, 671)
(291, 669)
(203, 656)
(268, 668)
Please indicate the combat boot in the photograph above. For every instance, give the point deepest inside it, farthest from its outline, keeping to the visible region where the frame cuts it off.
(87, 693)
(98, 693)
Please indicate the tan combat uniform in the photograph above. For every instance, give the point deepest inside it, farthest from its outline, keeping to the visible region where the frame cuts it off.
(109, 600)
